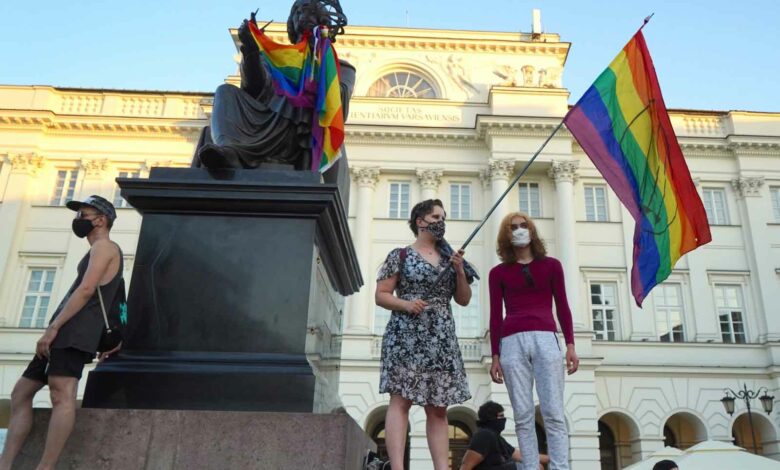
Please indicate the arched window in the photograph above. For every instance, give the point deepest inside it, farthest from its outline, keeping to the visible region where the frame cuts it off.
(460, 437)
(607, 447)
(402, 84)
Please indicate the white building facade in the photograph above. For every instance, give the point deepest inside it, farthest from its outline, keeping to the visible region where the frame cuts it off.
(454, 115)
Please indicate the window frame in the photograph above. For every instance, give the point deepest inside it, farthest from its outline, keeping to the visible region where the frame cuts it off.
(26, 262)
(392, 82)
(55, 200)
(729, 310)
(591, 188)
(400, 184)
(615, 314)
(774, 195)
(705, 190)
(455, 211)
(667, 309)
(470, 313)
(530, 210)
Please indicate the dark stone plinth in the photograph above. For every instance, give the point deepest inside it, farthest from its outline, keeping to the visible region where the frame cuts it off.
(236, 297)
(173, 440)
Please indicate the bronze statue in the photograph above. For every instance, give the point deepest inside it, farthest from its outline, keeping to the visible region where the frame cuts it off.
(253, 125)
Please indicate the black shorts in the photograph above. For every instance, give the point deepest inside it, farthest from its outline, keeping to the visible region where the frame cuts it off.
(67, 362)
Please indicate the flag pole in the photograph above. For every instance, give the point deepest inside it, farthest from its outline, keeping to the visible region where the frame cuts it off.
(495, 205)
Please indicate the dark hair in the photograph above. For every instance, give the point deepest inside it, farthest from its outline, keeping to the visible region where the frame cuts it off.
(489, 411)
(665, 465)
(421, 209)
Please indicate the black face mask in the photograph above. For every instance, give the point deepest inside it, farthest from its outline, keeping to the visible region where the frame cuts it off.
(496, 425)
(82, 227)
(436, 229)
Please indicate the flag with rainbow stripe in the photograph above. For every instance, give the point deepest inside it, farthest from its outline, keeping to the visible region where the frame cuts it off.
(622, 124)
(309, 76)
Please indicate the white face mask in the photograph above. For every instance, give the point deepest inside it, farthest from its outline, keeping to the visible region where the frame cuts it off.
(521, 237)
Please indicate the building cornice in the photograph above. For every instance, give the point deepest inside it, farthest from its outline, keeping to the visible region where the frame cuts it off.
(426, 137)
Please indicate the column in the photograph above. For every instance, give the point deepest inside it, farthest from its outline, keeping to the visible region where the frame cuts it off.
(755, 212)
(360, 304)
(499, 172)
(13, 213)
(429, 179)
(564, 173)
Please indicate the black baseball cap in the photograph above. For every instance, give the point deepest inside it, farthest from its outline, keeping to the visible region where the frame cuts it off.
(96, 202)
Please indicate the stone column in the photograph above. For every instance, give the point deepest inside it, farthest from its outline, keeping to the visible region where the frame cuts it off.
(360, 305)
(755, 213)
(429, 179)
(564, 173)
(13, 215)
(499, 172)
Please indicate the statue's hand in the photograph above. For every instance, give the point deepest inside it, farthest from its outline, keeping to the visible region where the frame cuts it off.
(245, 36)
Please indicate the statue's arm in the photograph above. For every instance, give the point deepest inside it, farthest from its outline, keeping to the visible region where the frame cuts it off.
(254, 78)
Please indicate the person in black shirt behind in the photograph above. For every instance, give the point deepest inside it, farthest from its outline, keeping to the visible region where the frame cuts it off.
(488, 450)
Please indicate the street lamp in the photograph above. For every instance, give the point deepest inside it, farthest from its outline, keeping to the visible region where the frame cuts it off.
(767, 402)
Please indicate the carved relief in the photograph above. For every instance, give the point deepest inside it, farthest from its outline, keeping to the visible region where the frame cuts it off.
(748, 186)
(507, 74)
(28, 163)
(366, 176)
(429, 178)
(500, 169)
(94, 168)
(564, 171)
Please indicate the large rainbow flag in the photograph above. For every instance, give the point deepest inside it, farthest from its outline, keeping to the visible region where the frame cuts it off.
(622, 124)
(309, 77)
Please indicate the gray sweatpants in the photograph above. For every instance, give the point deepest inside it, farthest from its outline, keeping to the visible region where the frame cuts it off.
(525, 357)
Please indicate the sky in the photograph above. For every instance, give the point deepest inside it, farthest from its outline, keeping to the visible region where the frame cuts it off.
(709, 55)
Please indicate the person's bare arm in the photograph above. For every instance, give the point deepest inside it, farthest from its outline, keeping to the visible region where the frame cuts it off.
(462, 288)
(471, 459)
(385, 298)
(102, 252)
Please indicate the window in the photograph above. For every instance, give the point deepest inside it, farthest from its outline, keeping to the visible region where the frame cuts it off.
(460, 437)
(36, 299)
(731, 313)
(460, 201)
(402, 85)
(468, 318)
(715, 206)
(399, 200)
(669, 313)
(603, 304)
(595, 203)
(119, 201)
(64, 187)
(775, 192)
(529, 199)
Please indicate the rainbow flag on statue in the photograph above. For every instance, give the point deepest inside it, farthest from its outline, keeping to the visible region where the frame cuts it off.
(309, 77)
(622, 124)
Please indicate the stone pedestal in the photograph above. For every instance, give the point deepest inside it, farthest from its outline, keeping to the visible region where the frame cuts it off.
(236, 297)
(173, 440)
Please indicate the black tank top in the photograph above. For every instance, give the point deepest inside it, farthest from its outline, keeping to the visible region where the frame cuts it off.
(84, 329)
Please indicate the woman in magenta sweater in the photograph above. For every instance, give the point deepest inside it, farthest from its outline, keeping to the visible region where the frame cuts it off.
(524, 342)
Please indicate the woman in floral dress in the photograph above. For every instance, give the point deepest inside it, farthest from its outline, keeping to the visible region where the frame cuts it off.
(421, 362)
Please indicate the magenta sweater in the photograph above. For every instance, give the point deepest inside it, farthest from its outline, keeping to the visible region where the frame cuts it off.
(528, 308)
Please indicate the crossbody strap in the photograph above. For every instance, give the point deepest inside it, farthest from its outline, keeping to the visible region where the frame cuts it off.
(103, 309)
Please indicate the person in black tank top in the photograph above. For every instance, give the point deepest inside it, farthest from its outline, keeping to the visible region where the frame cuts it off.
(72, 338)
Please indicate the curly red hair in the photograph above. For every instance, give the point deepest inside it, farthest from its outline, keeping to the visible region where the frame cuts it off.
(504, 247)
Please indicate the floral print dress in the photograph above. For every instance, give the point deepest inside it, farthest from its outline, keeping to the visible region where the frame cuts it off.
(421, 360)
